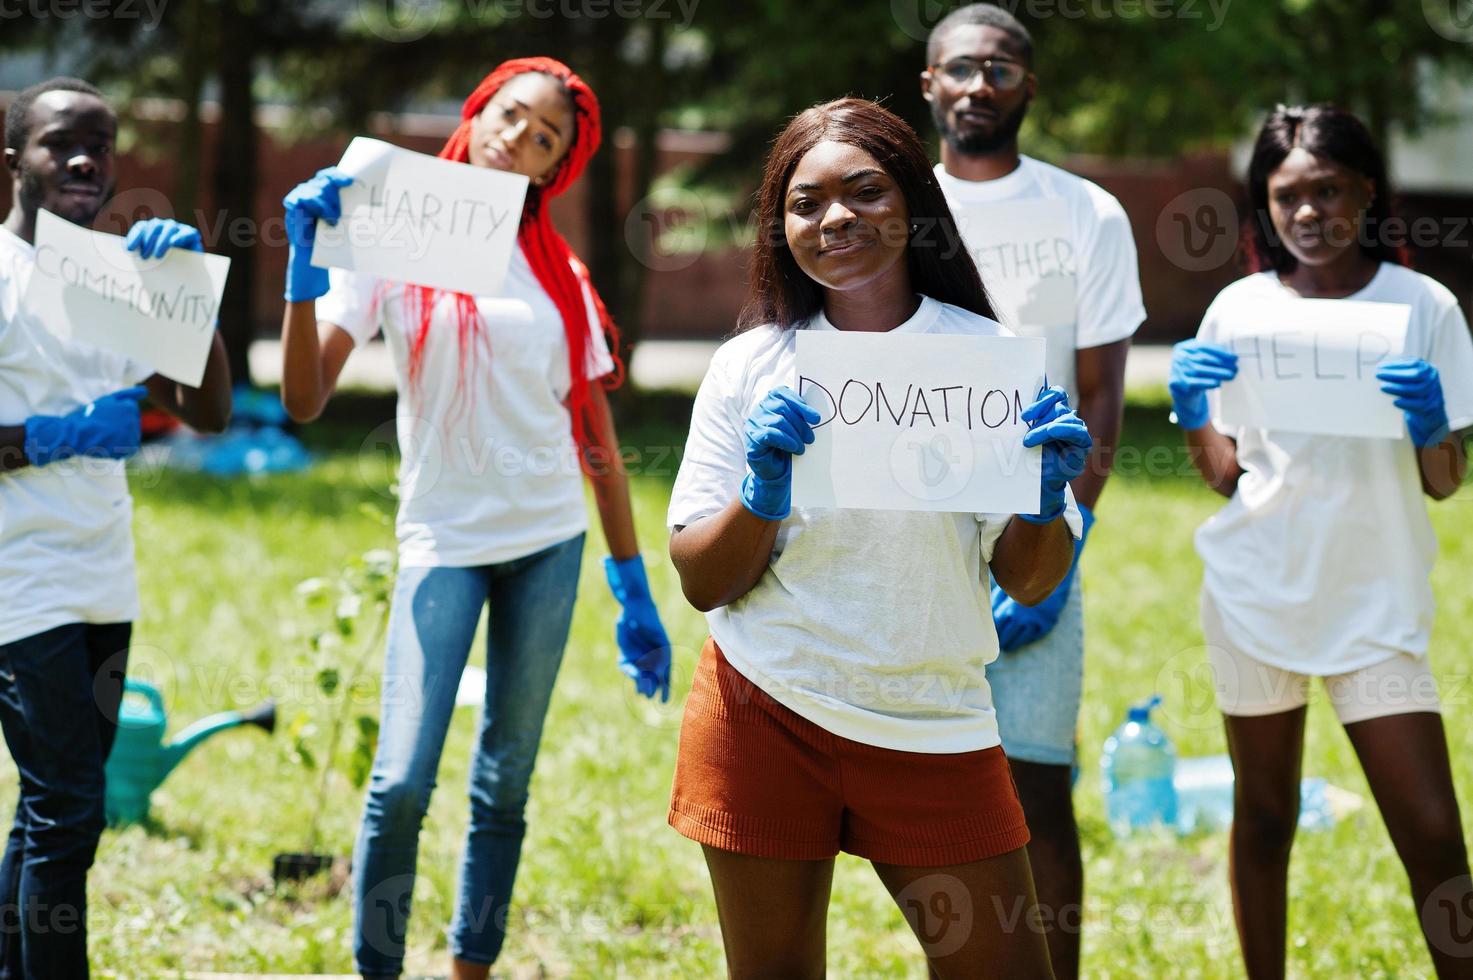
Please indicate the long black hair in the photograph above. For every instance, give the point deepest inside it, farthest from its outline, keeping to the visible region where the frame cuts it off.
(779, 292)
(1333, 134)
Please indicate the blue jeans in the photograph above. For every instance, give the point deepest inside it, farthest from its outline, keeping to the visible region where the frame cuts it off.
(59, 697)
(431, 626)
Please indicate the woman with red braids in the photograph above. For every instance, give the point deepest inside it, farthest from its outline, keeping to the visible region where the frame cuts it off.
(498, 399)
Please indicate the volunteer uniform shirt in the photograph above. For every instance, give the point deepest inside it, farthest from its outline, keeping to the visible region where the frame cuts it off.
(874, 625)
(489, 470)
(1098, 261)
(1319, 563)
(66, 535)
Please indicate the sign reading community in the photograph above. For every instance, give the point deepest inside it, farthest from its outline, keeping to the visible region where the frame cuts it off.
(88, 287)
(414, 218)
(918, 422)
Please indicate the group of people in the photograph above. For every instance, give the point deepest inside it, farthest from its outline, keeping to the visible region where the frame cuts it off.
(795, 744)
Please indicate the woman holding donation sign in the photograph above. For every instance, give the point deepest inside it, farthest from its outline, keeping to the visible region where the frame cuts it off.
(841, 702)
(1318, 565)
(499, 398)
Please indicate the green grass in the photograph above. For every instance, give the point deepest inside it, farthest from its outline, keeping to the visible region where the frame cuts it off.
(606, 888)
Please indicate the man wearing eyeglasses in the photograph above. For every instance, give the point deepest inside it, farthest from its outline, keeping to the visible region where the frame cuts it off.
(1056, 254)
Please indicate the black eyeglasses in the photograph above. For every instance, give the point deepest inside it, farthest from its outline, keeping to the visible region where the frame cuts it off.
(1001, 75)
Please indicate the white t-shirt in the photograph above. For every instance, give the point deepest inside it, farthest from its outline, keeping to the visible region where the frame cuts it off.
(874, 625)
(489, 470)
(66, 535)
(1098, 259)
(1320, 561)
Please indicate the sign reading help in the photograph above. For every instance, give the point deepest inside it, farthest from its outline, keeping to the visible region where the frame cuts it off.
(918, 422)
(86, 286)
(415, 218)
(1309, 365)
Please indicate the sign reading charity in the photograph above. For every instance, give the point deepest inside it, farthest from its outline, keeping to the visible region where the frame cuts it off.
(409, 217)
(86, 286)
(918, 422)
(1309, 365)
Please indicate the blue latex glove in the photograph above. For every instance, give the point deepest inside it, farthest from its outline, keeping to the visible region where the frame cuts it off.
(777, 430)
(1197, 367)
(308, 202)
(153, 237)
(1065, 439)
(1019, 625)
(1418, 392)
(644, 649)
(107, 428)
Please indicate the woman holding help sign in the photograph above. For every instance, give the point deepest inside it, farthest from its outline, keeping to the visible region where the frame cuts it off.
(841, 702)
(500, 399)
(1318, 564)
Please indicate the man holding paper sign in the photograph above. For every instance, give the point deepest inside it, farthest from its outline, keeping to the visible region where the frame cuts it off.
(68, 420)
(842, 701)
(1318, 564)
(1058, 258)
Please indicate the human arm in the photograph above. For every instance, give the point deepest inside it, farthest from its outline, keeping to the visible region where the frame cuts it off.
(107, 428)
(313, 352)
(1035, 551)
(1100, 377)
(207, 407)
(1030, 560)
(722, 556)
(1416, 388)
(644, 646)
(1196, 368)
(13, 448)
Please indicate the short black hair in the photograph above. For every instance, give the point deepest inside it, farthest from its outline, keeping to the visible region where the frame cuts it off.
(18, 116)
(979, 15)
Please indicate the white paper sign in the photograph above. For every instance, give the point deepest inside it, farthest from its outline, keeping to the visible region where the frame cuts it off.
(1309, 365)
(918, 422)
(1025, 252)
(86, 286)
(415, 218)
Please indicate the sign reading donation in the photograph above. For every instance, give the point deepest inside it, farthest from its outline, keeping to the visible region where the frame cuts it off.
(1025, 252)
(86, 286)
(1309, 365)
(918, 422)
(415, 218)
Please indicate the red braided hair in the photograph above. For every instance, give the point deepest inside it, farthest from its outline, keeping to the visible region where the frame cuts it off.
(557, 269)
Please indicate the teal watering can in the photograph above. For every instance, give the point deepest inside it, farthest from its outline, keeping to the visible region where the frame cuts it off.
(141, 759)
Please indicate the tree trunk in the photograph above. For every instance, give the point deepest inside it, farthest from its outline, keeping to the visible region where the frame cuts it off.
(235, 181)
(188, 143)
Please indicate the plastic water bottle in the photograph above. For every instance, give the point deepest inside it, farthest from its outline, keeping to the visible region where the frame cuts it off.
(1137, 768)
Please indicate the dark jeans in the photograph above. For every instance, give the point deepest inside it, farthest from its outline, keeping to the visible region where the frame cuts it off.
(59, 697)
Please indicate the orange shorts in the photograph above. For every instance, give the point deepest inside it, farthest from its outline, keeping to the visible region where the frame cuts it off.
(756, 778)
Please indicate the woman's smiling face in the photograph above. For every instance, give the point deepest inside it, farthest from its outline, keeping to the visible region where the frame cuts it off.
(526, 128)
(844, 217)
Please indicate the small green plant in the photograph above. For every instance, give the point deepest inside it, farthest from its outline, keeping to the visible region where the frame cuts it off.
(356, 608)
